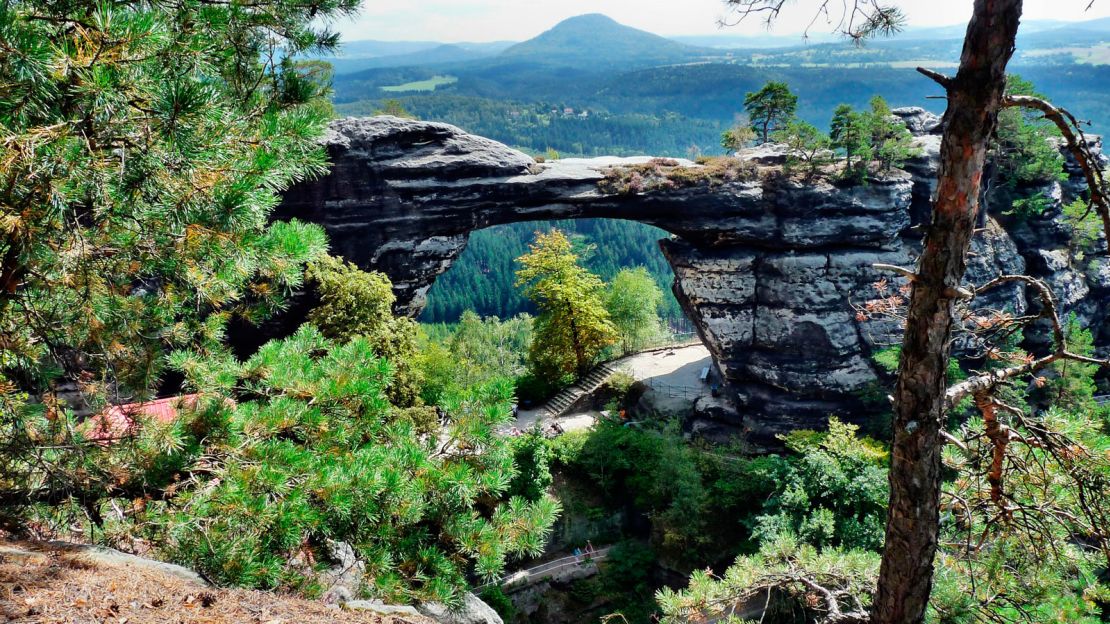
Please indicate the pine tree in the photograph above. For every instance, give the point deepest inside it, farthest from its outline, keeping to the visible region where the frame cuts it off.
(1022, 149)
(770, 108)
(808, 145)
(848, 132)
(891, 141)
(302, 447)
(143, 148)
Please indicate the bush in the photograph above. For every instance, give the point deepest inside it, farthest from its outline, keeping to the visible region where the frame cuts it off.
(831, 493)
(495, 597)
(534, 390)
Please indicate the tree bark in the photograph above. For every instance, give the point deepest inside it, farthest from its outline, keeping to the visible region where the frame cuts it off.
(913, 522)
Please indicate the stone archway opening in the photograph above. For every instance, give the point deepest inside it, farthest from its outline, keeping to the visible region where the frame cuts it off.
(482, 278)
(765, 264)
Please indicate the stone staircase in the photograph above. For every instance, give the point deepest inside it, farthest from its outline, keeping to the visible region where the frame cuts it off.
(560, 403)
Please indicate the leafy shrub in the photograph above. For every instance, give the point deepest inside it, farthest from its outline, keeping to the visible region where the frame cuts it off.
(532, 457)
(495, 597)
(665, 174)
(832, 492)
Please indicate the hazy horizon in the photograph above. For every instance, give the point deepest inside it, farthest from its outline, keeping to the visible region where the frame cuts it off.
(455, 21)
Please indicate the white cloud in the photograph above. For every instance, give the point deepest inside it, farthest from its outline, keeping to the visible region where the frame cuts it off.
(491, 20)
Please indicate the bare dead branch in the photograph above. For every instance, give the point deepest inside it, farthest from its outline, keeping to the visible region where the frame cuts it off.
(939, 78)
(904, 272)
(858, 19)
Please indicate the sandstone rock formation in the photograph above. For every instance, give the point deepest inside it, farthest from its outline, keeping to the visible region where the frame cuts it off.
(767, 266)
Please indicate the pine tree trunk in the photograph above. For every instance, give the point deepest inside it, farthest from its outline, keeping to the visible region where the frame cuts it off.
(913, 521)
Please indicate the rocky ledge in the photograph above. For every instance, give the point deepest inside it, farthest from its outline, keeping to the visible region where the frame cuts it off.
(768, 266)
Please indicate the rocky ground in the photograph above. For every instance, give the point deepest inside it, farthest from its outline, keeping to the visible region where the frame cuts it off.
(50, 583)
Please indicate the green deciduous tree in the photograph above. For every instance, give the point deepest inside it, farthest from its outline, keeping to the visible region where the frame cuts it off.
(353, 303)
(573, 325)
(633, 299)
(301, 447)
(770, 108)
(475, 351)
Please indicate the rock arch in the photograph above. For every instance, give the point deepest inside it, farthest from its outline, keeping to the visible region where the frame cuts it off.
(766, 267)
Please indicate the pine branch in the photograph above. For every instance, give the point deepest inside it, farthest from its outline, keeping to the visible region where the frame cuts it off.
(1080, 149)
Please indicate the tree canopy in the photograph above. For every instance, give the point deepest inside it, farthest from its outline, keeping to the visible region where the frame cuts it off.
(770, 108)
(573, 325)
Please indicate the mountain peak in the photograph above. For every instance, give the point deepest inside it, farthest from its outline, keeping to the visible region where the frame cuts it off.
(590, 19)
(595, 38)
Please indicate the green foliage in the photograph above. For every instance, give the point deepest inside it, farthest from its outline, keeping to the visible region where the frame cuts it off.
(809, 147)
(832, 493)
(1072, 386)
(1041, 560)
(633, 299)
(353, 303)
(782, 574)
(849, 133)
(1086, 227)
(495, 597)
(573, 325)
(473, 351)
(395, 108)
(626, 583)
(482, 280)
(1023, 152)
(532, 457)
(891, 142)
(770, 109)
(303, 447)
(144, 146)
(739, 136)
(1030, 207)
(696, 498)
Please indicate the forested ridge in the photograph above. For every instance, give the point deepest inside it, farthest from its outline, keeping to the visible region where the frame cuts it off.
(482, 279)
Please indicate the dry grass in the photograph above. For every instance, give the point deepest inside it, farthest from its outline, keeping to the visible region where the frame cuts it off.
(666, 174)
(43, 584)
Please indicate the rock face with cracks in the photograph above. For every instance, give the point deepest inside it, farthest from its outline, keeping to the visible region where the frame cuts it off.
(768, 265)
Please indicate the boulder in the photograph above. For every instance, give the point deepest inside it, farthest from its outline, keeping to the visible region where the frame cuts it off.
(918, 120)
(472, 611)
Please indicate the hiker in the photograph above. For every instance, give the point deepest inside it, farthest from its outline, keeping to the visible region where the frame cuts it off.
(589, 548)
(578, 555)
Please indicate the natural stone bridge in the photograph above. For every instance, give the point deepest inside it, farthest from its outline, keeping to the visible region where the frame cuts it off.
(767, 266)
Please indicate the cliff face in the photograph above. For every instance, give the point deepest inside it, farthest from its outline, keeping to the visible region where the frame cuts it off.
(767, 267)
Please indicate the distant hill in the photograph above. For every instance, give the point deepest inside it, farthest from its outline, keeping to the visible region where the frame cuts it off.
(437, 54)
(357, 56)
(596, 39)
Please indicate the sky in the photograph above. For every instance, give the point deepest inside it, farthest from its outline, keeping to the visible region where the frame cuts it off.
(452, 21)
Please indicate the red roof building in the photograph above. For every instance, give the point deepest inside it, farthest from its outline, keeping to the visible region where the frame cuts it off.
(119, 421)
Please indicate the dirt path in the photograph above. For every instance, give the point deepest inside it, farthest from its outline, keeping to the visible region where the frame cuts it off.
(673, 373)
